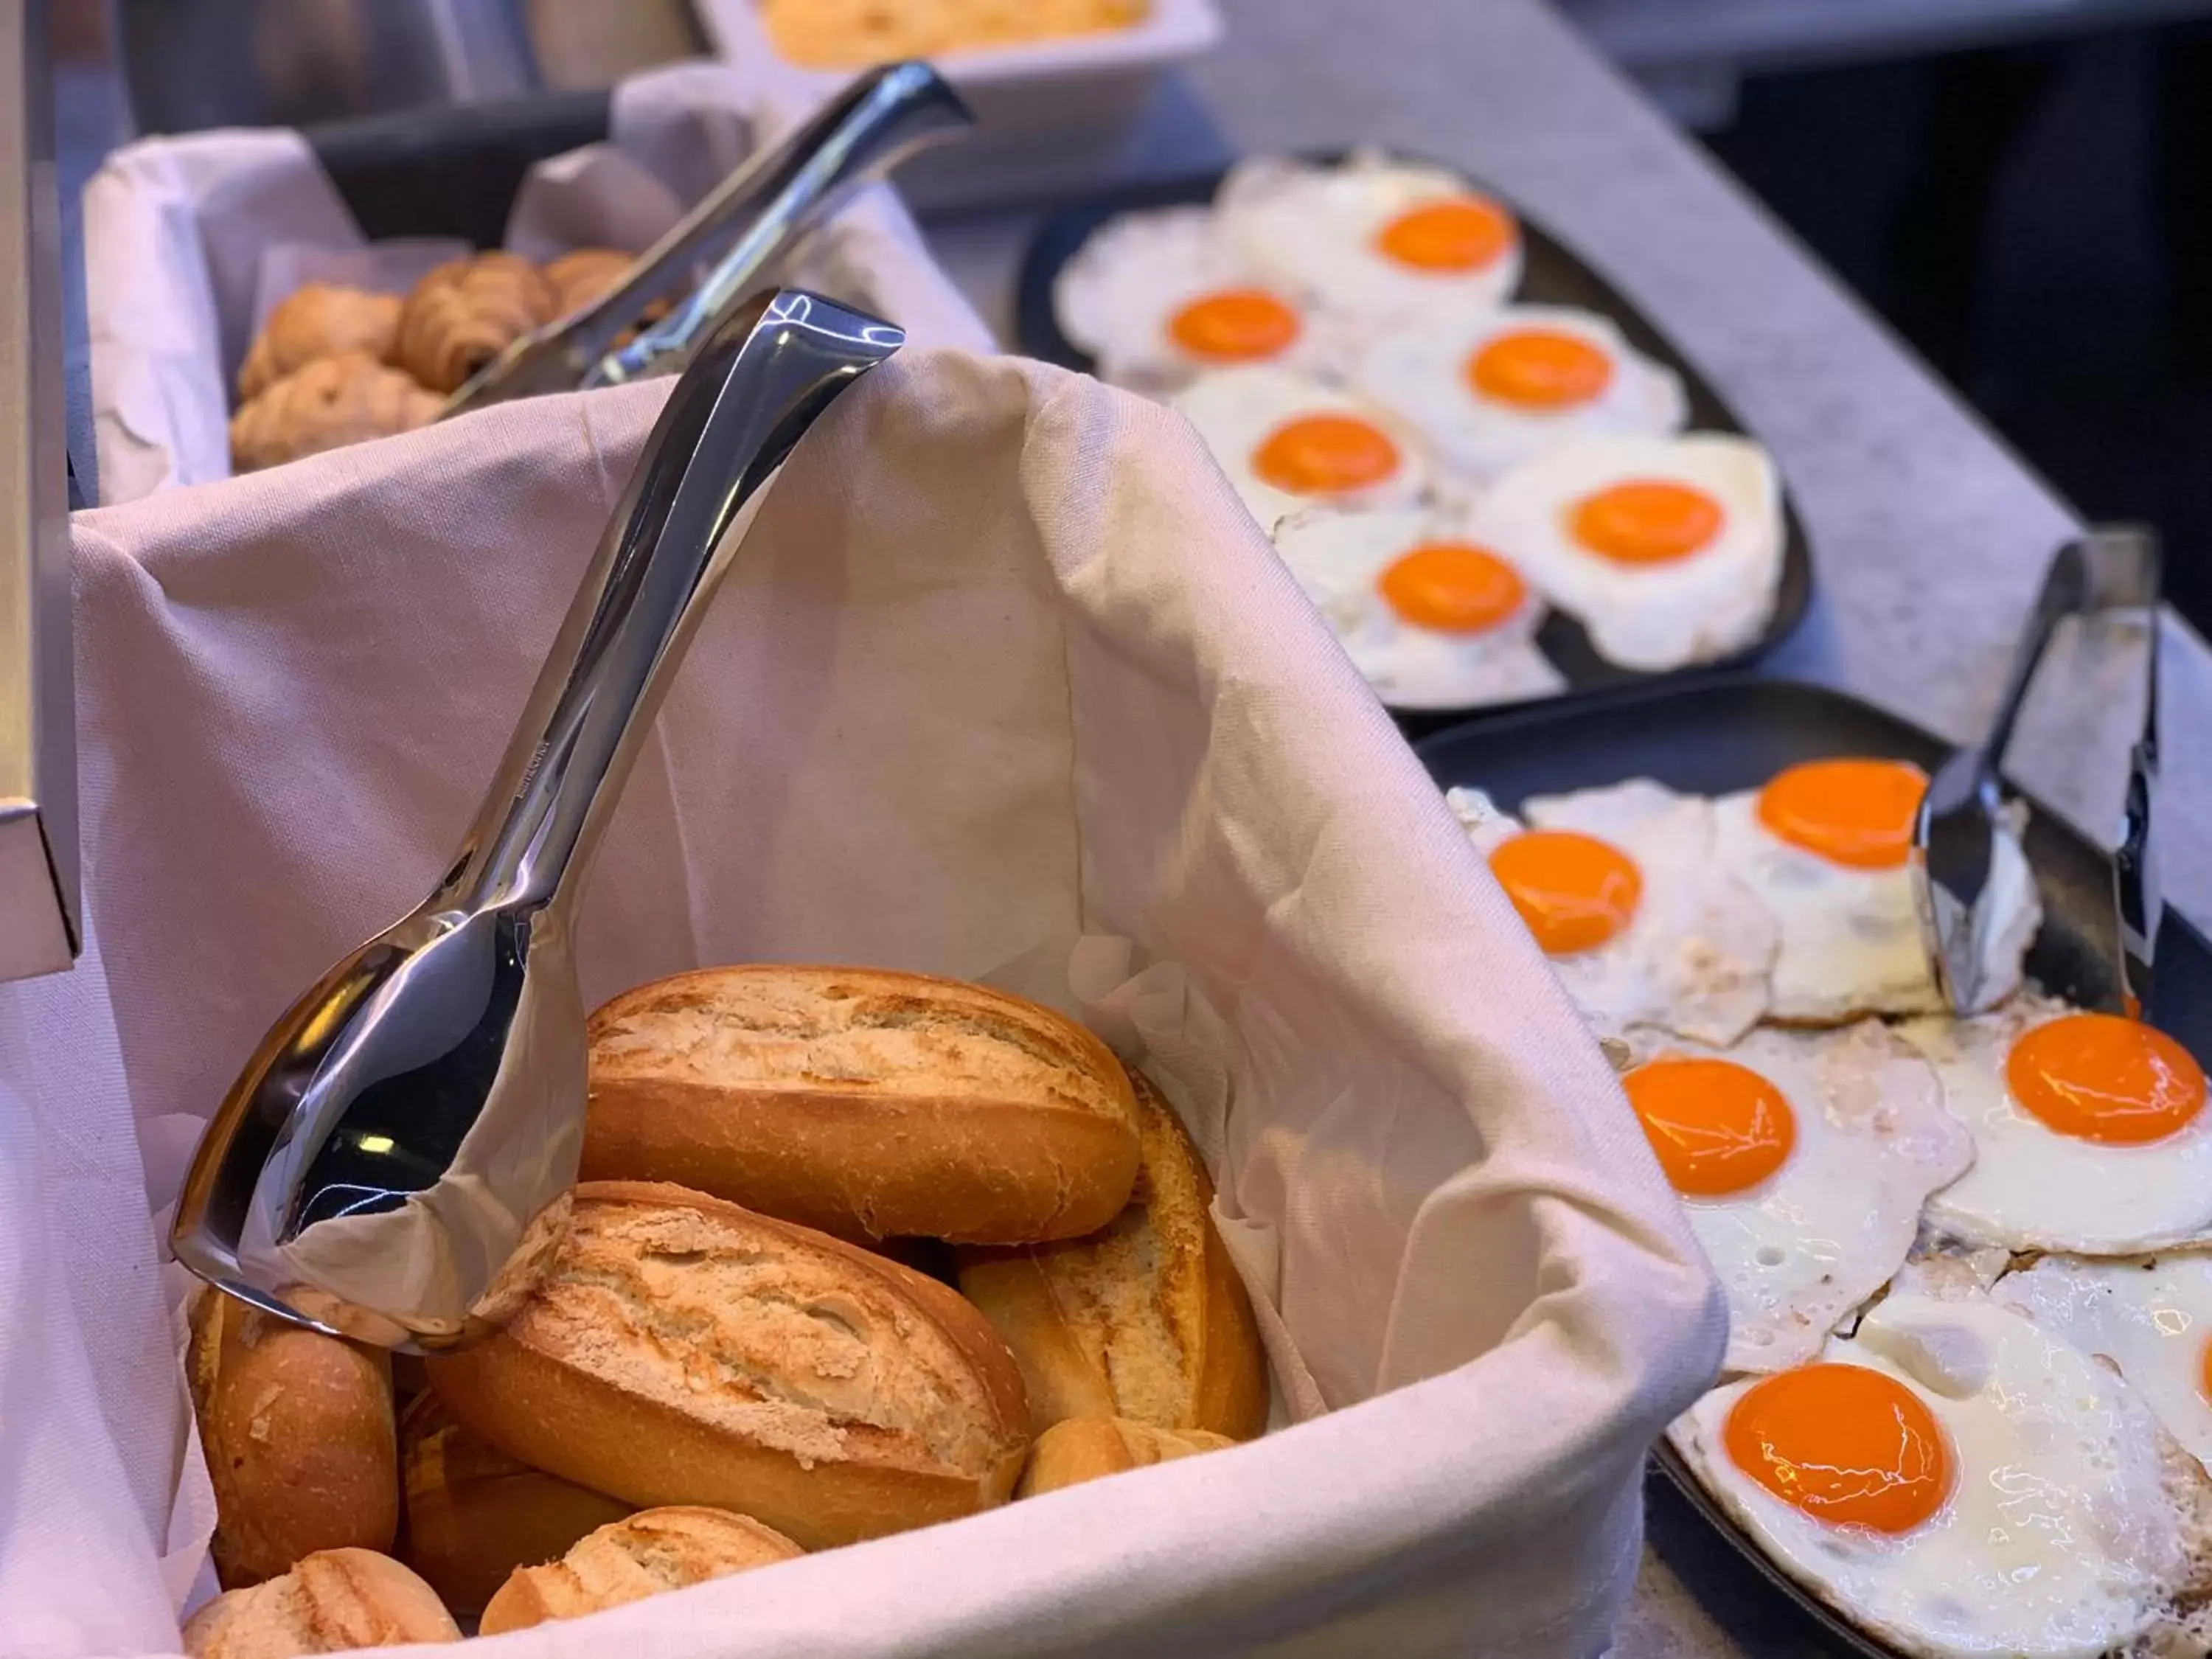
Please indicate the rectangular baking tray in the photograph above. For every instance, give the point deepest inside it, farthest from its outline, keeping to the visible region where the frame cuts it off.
(1713, 736)
(1051, 115)
(1554, 275)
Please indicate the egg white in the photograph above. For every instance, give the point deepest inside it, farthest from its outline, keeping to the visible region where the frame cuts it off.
(1116, 298)
(1419, 369)
(1799, 1251)
(2072, 1525)
(1655, 617)
(2151, 1317)
(1236, 409)
(1312, 228)
(1693, 958)
(2033, 1188)
(1851, 942)
(1339, 558)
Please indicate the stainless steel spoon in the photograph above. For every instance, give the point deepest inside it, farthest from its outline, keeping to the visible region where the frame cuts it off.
(391, 1164)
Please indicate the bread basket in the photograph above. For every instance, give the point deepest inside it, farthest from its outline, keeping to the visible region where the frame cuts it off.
(1003, 683)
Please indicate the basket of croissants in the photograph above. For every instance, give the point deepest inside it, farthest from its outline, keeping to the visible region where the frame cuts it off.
(253, 297)
(334, 365)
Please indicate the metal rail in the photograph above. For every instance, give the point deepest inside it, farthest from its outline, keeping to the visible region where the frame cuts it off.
(39, 893)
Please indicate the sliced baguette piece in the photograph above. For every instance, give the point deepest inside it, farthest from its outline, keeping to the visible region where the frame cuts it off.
(865, 1102)
(331, 1601)
(1144, 1320)
(298, 1430)
(1091, 1448)
(474, 1514)
(682, 1350)
(627, 1560)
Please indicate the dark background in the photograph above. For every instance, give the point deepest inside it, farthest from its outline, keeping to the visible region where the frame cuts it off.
(2037, 220)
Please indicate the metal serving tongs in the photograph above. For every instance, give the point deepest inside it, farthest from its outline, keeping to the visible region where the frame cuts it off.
(1954, 840)
(762, 210)
(392, 1164)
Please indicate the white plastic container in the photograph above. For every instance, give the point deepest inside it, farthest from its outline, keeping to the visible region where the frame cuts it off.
(1050, 115)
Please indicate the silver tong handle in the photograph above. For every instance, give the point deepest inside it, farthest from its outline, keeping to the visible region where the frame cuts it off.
(757, 384)
(864, 132)
(2109, 568)
(2137, 894)
(389, 1161)
(760, 210)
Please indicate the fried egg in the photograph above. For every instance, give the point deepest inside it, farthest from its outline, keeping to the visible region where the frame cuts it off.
(1155, 298)
(2152, 1318)
(1801, 1159)
(1957, 1482)
(1489, 392)
(1668, 550)
(1287, 441)
(1827, 847)
(1373, 236)
(2090, 1131)
(1621, 889)
(1432, 620)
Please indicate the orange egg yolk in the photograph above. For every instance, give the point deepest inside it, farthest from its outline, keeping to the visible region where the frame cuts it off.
(1540, 369)
(1844, 1444)
(1717, 1126)
(1325, 455)
(1453, 588)
(2204, 1368)
(1460, 234)
(1235, 325)
(1646, 522)
(1853, 812)
(1574, 890)
(2099, 1077)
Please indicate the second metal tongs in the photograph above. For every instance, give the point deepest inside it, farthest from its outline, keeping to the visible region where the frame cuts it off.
(760, 212)
(391, 1164)
(1957, 838)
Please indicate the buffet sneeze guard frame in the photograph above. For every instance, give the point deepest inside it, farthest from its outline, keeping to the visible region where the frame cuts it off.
(38, 874)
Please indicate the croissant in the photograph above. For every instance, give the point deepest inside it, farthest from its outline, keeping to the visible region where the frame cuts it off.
(465, 313)
(580, 277)
(321, 319)
(328, 403)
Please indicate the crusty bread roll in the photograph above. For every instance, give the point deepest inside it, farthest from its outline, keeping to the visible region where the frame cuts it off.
(1147, 1319)
(865, 1102)
(324, 404)
(465, 313)
(319, 319)
(330, 1603)
(474, 1515)
(1088, 1448)
(297, 1428)
(653, 1551)
(681, 1350)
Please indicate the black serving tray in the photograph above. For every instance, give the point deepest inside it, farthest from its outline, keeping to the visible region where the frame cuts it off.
(1713, 736)
(1553, 275)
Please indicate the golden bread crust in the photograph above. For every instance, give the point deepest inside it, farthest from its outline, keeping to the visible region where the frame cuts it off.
(865, 1102)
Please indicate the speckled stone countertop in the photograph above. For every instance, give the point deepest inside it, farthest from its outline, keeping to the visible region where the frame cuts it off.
(1929, 536)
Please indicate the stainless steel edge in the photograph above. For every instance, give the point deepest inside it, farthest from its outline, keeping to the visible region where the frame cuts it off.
(39, 877)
